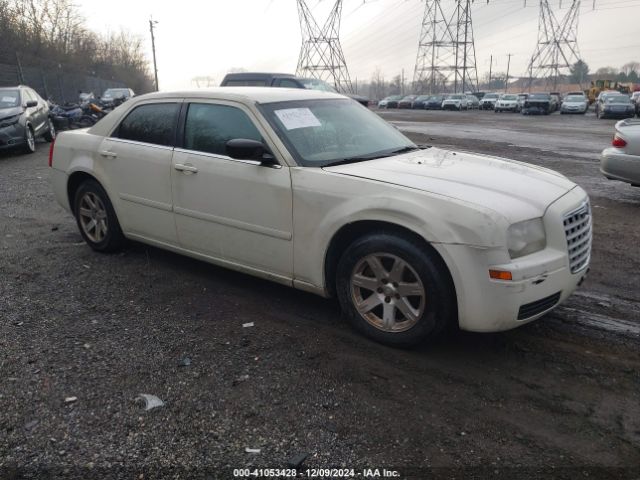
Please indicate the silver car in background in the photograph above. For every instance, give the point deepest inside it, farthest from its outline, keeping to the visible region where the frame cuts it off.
(574, 104)
(621, 161)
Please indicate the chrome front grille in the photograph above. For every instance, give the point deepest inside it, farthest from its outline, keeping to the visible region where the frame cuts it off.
(577, 227)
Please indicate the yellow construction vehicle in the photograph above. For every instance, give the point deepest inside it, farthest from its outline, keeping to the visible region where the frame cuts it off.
(598, 86)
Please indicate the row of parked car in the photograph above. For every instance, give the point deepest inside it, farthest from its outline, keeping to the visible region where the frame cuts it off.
(608, 105)
(25, 116)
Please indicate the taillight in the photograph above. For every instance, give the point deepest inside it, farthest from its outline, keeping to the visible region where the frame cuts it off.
(618, 142)
(53, 142)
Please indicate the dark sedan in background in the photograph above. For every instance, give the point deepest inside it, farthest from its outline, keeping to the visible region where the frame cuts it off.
(616, 106)
(434, 102)
(541, 103)
(407, 101)
(420, 101)
(24, 116)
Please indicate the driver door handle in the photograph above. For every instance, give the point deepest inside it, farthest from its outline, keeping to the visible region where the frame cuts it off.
(186, 168)
(108, 154)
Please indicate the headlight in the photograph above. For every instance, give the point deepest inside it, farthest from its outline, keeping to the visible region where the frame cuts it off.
(526, 237)
(6, 122)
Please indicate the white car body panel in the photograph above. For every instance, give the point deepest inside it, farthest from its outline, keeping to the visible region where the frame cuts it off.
(278, 223)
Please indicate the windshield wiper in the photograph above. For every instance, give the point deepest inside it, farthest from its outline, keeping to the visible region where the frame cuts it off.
(373, 157)
(410, 148)
(355, 160)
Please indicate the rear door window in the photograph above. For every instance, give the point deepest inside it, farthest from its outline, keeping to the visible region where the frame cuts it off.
(209, 127)
(245, 83)
(152, 123)
(287, 83)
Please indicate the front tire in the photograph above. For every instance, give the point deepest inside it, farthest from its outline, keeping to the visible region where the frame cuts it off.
(394, 290)
(96, 218)
(29, 140)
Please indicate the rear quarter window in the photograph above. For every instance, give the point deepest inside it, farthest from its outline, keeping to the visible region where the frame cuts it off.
(154, 123)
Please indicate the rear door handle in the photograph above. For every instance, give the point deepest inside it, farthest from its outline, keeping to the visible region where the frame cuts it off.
(186, 168)
(108, 154)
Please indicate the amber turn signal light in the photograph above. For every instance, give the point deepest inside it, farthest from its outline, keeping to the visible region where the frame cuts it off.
(500, 275)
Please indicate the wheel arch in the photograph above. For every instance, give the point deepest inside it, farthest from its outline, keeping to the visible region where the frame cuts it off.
(76, 179)
(350, 232)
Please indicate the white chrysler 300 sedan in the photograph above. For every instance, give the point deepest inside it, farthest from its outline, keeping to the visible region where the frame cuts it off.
(312, 190)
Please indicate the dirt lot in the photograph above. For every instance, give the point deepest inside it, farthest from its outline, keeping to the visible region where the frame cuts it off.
(558, 398)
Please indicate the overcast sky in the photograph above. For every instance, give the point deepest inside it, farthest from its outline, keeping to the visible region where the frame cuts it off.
(196, 38)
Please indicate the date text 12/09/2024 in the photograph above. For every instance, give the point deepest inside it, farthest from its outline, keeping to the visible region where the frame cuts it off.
(315, 473)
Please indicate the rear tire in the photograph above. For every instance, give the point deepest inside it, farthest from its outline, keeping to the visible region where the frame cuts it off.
(50, 135)
(394, 290)
(96, 218)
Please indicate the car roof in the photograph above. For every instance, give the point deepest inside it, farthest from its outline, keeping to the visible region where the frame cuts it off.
(258, 75)
(244, 94)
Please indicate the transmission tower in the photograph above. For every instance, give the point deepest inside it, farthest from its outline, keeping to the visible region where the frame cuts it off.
(557, 47)
(446, 50)
(321, 55)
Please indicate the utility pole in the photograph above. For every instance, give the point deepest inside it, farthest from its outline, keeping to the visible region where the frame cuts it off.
(506, 83)
(152, 24)
(402, 83)
(490, 68)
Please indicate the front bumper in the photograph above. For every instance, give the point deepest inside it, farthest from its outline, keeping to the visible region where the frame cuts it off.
(617, 114)
(616, 165)
(511, 107)
(541, 281)
(487, 105)
(11, 136)
(451, 106)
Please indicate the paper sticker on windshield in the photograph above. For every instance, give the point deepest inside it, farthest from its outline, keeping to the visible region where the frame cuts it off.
(8, 99)
(293, 118)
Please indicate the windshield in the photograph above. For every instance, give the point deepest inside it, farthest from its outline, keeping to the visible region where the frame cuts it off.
(490, 96)
(435, 98)
(116, 92)
(322, 132)
(575, 98)
(315, 84)
(617, 99)
(509, 97)
(539, 96)
(9, 98)
(454, 97)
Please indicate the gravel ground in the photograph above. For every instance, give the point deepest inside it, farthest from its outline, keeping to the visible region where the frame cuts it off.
(84, 334)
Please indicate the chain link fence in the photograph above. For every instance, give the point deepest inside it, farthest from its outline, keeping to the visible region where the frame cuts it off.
(53, 81)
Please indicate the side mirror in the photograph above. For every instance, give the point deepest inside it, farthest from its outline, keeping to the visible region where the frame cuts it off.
(31, 104)
(245, 149)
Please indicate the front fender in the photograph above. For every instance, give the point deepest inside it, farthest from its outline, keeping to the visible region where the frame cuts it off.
(323, 206)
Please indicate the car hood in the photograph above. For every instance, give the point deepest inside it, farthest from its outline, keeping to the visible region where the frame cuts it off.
(515, 190)
(10, 112)
(452, 100)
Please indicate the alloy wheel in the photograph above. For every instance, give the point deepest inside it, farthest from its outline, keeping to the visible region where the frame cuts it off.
(93, 217)
(31, 140)
(387, 292)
